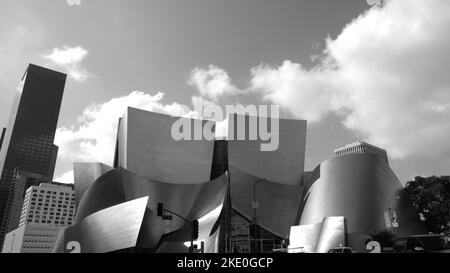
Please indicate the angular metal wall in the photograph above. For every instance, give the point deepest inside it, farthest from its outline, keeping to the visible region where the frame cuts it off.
(284, 165)
(108, 230)
(278, 204)
(147, 147)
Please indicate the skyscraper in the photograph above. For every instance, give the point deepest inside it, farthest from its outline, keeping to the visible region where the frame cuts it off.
(46, 209)
(49, 203)
(28, 141)
(21, 182)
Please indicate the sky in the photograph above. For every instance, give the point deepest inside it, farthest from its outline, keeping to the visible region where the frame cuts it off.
(354, 72)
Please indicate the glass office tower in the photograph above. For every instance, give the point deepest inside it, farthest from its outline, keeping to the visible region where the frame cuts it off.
(28, 141)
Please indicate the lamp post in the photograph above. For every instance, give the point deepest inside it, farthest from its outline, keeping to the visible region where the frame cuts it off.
(255, 206)
(391, 215)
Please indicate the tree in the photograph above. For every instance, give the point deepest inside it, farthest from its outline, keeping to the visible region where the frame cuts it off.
(384, 237)
(431, 197)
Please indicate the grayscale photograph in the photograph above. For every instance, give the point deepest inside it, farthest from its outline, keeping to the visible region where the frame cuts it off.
(249, 132)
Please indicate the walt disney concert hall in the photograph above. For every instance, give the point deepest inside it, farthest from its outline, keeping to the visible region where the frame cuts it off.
(244, 200)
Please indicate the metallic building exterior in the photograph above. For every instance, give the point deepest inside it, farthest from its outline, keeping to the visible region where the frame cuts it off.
(320, 237)
(264, 182)
(28, 141)
(285, 165)
(358, 187)
(146, 147)
(107, 200)
(245, 199)
(84, 174)
(271, 197)
(111, 229)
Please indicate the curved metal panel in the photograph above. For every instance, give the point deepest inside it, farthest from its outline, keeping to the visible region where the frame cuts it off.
(106, 201)
(318, 238)
(358, 187)
(332, 234)
(278, 203)
(84, 175)
(147, 147)
(284, 165)
(191, 201)
(111, 229)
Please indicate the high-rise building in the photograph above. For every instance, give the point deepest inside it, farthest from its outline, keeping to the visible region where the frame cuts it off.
(28, 141)
(49, 203)
(21, 182)
(46, 209)
(31, 238)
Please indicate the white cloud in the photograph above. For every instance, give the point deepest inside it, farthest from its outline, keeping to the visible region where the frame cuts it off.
(386, 74)
(307, 93)
(92, 138)
(212, 82)
(67, 55)
(66, 177)
(69, 59)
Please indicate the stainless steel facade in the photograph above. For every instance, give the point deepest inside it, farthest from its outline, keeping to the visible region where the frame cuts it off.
(285, 165)
(358, 187)
(111, 229)
(268, 192)
(146, 147)
(84, 174)
(107, 200)
(320, 237)
(278, 204)
(266, 186)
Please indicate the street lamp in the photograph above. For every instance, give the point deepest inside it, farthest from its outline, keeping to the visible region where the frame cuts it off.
(255, 206)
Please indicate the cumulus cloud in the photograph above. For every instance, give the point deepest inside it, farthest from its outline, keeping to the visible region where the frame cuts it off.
(69, 59)
(212, 82)
(66, 177)
(386, 74)
(306, 93)
(93, 137)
